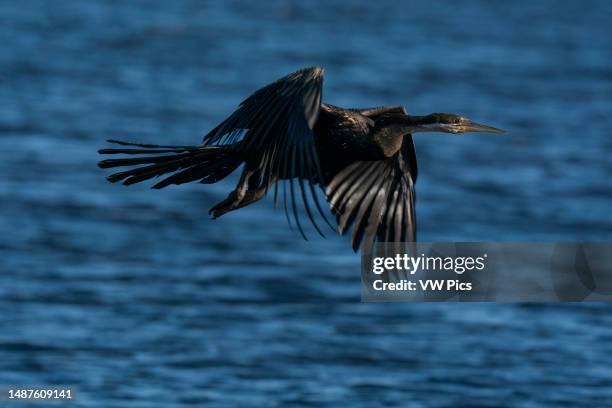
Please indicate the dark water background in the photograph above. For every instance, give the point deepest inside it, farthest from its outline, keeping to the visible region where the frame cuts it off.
(137, 299)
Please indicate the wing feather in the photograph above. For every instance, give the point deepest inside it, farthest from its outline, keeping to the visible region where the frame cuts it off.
(274, 128)
(377, 199)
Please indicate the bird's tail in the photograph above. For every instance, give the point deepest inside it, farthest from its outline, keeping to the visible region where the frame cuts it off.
(206, 164)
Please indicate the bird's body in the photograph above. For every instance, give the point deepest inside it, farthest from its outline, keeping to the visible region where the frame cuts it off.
(343, 136)
(364, 159)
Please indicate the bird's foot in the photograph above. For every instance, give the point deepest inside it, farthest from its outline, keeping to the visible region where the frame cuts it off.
(237, 199)
(230, 203)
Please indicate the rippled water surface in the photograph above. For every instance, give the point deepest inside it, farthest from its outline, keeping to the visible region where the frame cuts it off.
(137, 299)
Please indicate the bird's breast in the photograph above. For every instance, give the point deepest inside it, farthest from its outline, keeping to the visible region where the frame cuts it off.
(343, 141)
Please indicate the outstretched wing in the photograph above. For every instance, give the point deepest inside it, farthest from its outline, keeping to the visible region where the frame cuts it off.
(276, 124)
(377, 198)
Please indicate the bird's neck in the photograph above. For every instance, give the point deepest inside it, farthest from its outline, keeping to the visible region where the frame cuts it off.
(406, 123)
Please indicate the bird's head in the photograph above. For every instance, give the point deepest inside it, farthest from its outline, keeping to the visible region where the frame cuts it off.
(451, 123)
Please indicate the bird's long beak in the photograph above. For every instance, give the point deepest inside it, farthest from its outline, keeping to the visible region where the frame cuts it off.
(477, 127)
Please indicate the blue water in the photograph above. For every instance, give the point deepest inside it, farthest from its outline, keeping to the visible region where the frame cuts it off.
(137, 299)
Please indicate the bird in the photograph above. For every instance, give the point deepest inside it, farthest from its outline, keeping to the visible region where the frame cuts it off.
(363, 159)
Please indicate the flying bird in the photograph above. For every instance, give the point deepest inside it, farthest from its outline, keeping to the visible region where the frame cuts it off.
(363, 159)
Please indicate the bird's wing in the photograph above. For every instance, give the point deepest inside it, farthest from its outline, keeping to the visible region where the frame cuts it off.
(276, 124)
(373, 113)
(377, 198)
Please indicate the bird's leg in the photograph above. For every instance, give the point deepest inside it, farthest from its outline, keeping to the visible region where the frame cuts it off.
(247, 192)
(234, 198)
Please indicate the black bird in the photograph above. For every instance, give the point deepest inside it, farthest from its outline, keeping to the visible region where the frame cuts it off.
(364, 159)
